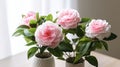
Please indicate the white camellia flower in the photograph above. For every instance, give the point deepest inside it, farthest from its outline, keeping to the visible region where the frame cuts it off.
(98, 29)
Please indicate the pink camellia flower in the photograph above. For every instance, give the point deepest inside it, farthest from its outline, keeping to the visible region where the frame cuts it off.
(30, 16)
(48, 34)
(68, 18)
(98, 28)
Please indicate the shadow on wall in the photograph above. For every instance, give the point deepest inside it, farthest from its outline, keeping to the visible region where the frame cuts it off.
(104, 9)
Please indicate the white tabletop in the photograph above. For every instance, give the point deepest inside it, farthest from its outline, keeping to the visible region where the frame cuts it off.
(20, 60)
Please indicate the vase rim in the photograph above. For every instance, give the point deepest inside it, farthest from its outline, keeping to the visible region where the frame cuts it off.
(44, 58)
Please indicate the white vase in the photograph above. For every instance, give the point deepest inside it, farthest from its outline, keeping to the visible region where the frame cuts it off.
(74, 65)
(44, 62)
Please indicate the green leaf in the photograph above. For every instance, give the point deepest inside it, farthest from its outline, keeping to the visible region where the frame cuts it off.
(49, 17)
(92, 60)
(85, 20)
(42, 49)
(32, 30)
(27, 33)
(97, 44)
(79, 32)
(111, 37)
(31, 43)
(66, 40)
(85, 39)
(31, 52)
(56, 52)
(33, 23)
(83, 47)
(18, 32)
(77, 58)
(23, 27)
(104, 44)
(66, 47)
(29, 38)
(72, 31)
(41, 20)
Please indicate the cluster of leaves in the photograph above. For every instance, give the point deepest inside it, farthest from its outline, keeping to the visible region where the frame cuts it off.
(28, 33)
(83, 48)
(84, 45)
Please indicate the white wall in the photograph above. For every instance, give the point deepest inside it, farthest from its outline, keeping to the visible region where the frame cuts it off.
(15, 9)
(104, 9)
(4, 38)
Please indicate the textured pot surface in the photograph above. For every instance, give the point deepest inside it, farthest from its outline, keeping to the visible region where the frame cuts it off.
(74, 65)
(44, 62)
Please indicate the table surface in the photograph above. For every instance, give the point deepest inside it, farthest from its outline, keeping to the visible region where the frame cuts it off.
(20, 60)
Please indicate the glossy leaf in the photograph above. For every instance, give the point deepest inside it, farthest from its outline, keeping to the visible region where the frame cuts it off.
(83, 47)
(23, 27)
(85, 39)
(32, 30)
(31, 43)
(79, 32)
(104, 44)
(18, 32)
(33, 23)
(92, 60)
(29, 38)
(31, 52)
(56, 52)
(111, 37)
(66, 47)
(77, 58)
(28, 33)
(97, 45)
(49, 17)
(42, 49)
(72, 31)
(85, 20)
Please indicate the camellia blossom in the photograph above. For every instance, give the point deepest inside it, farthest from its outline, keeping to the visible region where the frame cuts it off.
(48, 34)
(68, 18)
(98, 28)
(30, 16)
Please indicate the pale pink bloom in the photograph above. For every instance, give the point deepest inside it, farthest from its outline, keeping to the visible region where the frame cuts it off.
(68, 18)
(30, 16)
(98, 28)
(48, 34)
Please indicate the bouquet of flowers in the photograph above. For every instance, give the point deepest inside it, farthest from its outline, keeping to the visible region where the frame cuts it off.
(45, 33)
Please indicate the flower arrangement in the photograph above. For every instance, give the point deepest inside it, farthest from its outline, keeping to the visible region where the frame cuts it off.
(45, 33)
